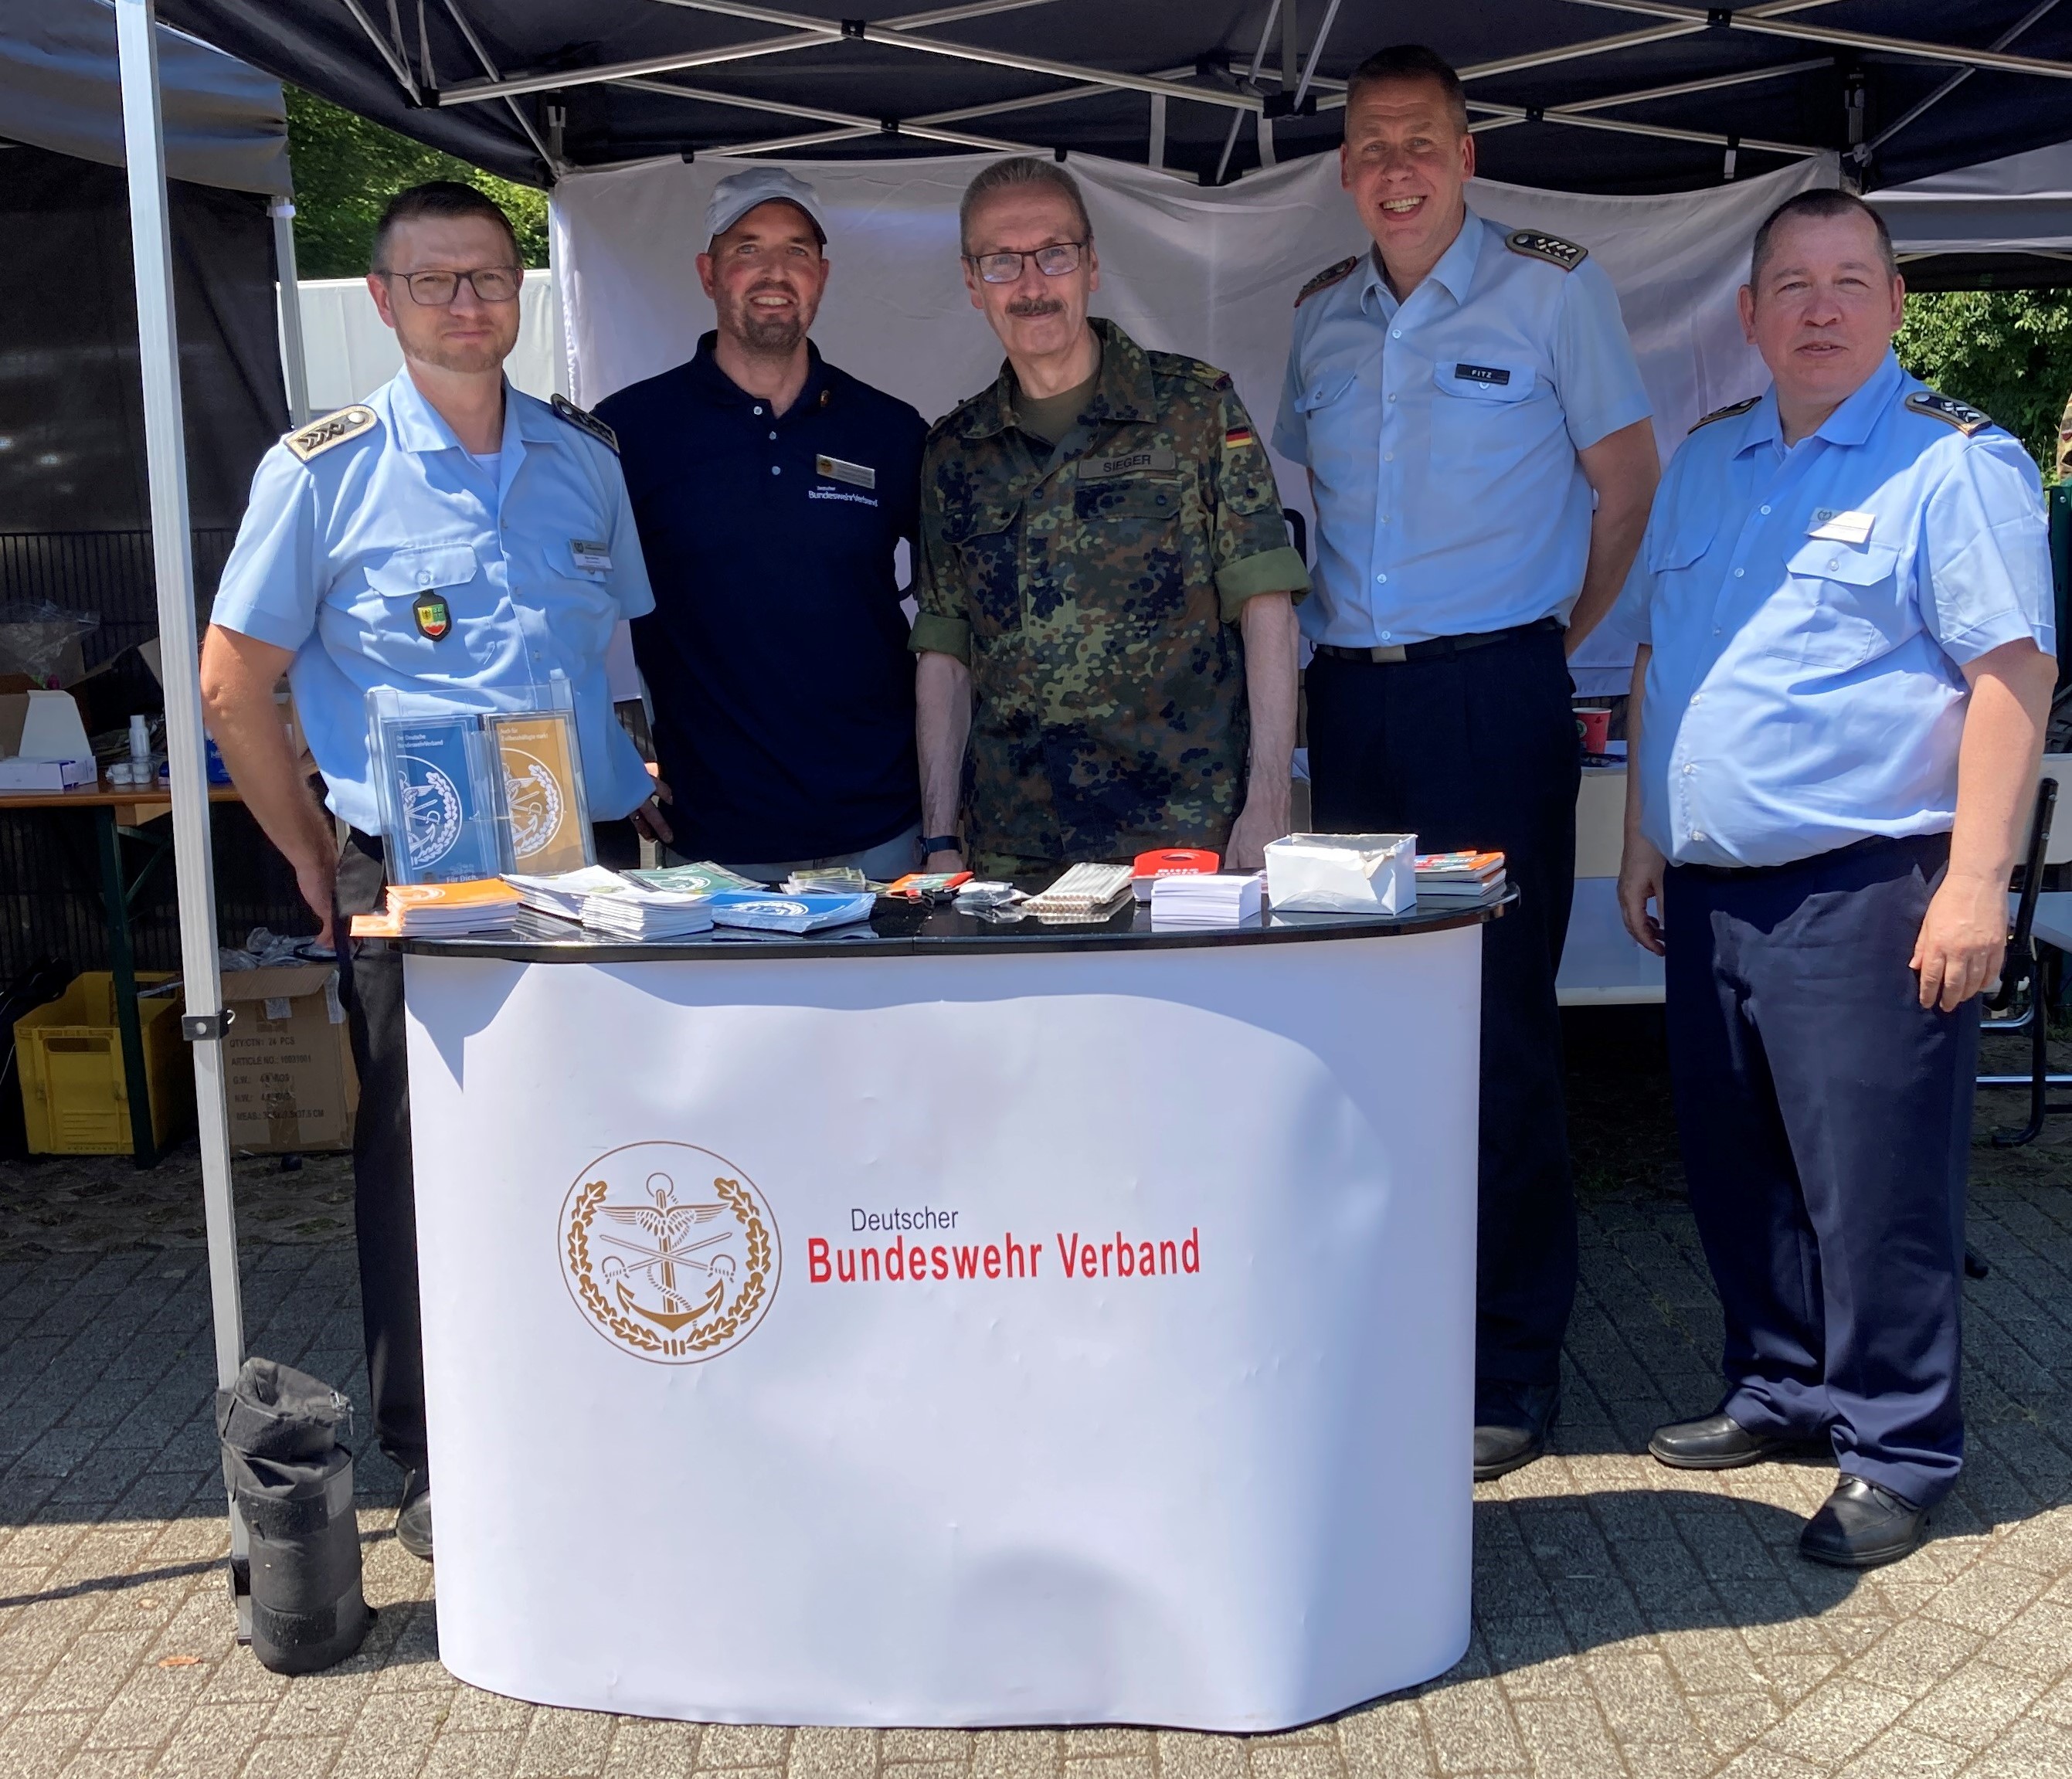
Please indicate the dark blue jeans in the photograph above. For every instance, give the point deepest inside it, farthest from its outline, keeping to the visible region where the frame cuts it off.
(1480, 749)
(1825, 1120)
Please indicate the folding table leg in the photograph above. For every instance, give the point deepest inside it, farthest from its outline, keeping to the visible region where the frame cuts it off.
(122, 963)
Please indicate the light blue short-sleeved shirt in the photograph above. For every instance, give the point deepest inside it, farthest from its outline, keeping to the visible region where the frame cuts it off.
(534, 552)
(1810, 610)
(1441, 435)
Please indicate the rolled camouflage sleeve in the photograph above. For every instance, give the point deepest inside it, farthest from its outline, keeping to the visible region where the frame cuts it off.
(1253, 553)
(941, 626)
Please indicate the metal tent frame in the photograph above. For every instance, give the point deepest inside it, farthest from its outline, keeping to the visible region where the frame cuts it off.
(1279, 88)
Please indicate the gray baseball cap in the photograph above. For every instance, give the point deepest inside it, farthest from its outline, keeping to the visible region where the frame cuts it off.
(737, 194)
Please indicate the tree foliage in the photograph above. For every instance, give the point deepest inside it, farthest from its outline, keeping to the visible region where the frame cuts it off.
(347, 167)
(2008, 352)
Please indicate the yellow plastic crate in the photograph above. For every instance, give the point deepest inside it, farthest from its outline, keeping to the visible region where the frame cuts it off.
(74, 1098)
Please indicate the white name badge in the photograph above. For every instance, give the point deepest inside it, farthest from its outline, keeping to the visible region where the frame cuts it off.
(590, 556)
(1841, 528)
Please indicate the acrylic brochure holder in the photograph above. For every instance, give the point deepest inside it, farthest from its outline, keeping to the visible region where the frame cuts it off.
(474, 793)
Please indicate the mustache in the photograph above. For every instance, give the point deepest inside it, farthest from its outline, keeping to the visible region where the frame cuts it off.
(1035, 305)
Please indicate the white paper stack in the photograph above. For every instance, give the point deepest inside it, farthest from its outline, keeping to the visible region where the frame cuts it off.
(563, 894)
(1205, 900)
(646, 914)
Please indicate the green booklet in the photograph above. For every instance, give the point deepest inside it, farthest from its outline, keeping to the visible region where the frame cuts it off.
(692, 880)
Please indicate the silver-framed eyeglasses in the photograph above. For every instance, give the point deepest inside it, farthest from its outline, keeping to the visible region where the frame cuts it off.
(1053, 262)
(435, 290)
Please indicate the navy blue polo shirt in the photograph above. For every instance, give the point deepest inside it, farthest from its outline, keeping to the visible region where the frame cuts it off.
(776, 654)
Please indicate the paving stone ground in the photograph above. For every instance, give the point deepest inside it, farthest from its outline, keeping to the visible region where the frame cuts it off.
(1629, 1620)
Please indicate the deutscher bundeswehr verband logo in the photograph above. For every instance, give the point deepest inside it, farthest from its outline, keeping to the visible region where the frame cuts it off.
(670, 1251)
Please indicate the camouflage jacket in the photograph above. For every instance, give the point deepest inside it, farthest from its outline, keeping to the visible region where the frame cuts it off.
(1095, 592)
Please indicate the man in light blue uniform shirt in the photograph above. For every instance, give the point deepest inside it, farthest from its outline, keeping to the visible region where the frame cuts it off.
(1466, 402)
(451, 538)
(1844, 670)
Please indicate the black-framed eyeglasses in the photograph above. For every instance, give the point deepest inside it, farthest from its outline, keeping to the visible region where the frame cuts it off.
(1053, 262)
(435, 290)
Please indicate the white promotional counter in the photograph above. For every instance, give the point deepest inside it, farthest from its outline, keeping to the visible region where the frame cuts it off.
(959, 1325)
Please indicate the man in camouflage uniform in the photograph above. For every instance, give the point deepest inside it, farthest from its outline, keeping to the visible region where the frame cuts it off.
(1104, 574)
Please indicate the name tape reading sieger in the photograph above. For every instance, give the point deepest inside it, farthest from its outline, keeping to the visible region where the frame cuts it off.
(928, 1217)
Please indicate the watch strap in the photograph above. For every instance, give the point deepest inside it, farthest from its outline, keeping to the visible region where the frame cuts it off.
(931, 844)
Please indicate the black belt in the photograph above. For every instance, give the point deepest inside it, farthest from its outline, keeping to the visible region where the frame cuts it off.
(1439, 647)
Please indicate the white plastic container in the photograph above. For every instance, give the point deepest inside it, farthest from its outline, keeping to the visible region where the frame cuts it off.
(1341, 874)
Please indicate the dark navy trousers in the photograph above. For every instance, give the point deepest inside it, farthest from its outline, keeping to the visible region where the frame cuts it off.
(1825, 1120)
(1479, 749)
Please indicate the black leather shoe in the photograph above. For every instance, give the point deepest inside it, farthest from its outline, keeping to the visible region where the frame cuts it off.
(1861, 1525)
(414, 1516)
(1511, 1424)
(1714, 1442)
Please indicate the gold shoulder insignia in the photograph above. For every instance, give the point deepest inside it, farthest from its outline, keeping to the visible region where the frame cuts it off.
(1967, 419)
(1324, 279)
(315, 439)
(1550, 247)
(584, 421)
(1727, 413)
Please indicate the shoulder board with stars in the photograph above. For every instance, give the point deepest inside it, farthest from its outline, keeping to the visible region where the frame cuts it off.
(315, 439)
(1324, 279)
(1550, 247)
(1967, 419)
(1727, 413)
(584, 421)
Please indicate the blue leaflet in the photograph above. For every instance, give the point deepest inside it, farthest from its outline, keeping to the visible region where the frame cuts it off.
(448, 834)
(788, 914)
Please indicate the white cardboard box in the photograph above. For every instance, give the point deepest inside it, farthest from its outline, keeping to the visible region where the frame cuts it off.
(1342, 873)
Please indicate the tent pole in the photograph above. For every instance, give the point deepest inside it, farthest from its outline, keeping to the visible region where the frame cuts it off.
(172, 550)
(295, 354)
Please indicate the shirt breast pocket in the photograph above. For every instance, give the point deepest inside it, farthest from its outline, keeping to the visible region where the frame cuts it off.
(1483, 408)
(1134, 553)
(1852, 610)
(987, 540)
(1328, 385)
(416, 596)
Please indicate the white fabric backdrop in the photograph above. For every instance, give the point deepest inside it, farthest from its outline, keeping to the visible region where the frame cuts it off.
(1211, 271)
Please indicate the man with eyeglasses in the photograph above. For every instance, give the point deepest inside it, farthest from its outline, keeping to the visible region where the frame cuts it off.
(450, 537)
(1104, 581)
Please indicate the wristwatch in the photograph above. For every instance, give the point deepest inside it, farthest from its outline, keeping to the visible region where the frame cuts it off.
(933, 843)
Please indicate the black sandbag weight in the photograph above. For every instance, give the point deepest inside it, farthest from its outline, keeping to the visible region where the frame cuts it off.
(292, 1484)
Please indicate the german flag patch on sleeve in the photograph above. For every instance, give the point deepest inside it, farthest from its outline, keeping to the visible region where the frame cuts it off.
(1239, 435)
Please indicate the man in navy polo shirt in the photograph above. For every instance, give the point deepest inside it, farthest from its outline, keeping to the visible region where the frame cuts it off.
(770, 491)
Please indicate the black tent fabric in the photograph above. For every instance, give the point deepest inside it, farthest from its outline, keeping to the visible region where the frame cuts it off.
(1608, 95)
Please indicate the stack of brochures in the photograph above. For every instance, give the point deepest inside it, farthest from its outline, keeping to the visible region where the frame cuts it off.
(563, 893)
(633, 911)
(1203, 900)
(761, 910)
(1459, 877)
(440, 911)
(693, 880)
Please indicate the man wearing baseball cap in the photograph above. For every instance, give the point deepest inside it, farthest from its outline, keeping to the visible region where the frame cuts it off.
(770, 491)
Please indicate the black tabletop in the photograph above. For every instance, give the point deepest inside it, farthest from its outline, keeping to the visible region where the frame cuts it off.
(899, 928)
